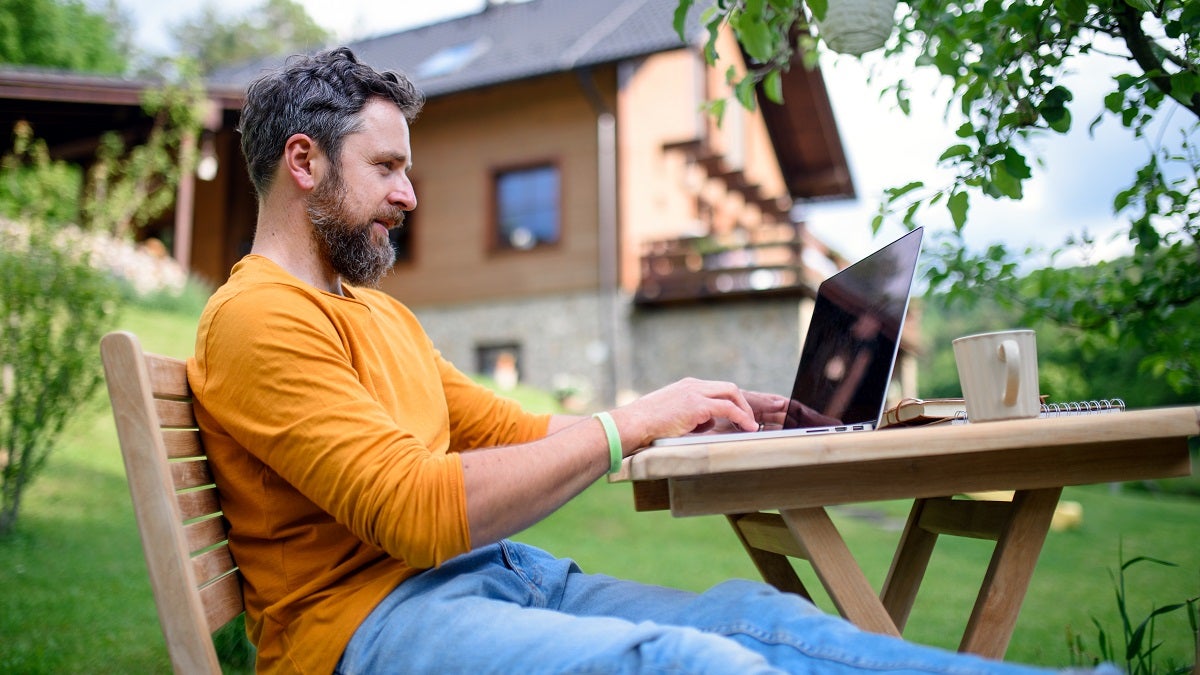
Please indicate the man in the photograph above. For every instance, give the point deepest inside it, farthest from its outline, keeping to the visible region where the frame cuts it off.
(369, 484)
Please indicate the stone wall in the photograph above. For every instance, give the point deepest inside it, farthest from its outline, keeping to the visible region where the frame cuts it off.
(755, 343)
(609, 350)
(560, 340)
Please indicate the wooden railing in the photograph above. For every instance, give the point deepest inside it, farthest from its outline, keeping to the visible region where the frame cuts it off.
(699, 268)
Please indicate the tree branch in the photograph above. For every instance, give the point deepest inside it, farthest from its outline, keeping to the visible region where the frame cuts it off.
(1129, 20)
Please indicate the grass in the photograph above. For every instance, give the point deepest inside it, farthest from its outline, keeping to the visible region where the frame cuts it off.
(75, 597)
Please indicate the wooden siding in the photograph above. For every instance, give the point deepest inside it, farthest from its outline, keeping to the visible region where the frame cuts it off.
(459, 142)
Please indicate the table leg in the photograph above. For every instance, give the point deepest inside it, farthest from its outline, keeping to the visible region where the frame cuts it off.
(908, 567)
(995, 613)
(841, 575)
(775, 568)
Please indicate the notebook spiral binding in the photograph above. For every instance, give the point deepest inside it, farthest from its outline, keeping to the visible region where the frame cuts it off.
(1082, 407)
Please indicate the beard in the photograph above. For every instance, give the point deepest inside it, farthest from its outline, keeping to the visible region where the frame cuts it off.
(350, 245)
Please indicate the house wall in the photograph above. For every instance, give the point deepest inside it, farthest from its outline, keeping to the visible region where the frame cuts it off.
(559, 337)
(458, 143)
(660, 103)
(754, 343)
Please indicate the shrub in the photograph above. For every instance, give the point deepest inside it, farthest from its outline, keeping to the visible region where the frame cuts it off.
(54, 307)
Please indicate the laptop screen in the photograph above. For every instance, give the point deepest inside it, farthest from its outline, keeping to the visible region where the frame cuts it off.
(854, 337)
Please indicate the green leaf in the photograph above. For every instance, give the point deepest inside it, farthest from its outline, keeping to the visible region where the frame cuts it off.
(960, 150)
(744, 91)
(1141, 5)
(818, 7)
(1073, 10)
(1184, 85)
(895, 193)
(1014, 164)
(755, 36)
(1114, 101)
(1004, 182)
(958, 205)
(773, 86)
(680, 21)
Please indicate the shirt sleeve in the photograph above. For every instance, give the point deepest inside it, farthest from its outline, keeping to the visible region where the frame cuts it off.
(480, 418)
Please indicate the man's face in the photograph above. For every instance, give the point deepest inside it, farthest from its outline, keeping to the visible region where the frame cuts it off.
(350, 225)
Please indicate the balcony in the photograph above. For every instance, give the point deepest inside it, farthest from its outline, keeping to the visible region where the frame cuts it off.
(783, 261)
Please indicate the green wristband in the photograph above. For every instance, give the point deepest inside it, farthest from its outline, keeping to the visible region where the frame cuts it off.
(614, 441)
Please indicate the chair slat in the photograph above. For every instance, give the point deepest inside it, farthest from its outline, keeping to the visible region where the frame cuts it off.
(175, 414)
(222, 601)
(190, 474)
(168, 376)
(198, 504)
(203, 534)
(211, 565)
(182, 443)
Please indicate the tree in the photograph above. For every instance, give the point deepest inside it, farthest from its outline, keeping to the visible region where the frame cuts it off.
(274, 28)
(65, 34)
(1005, 62)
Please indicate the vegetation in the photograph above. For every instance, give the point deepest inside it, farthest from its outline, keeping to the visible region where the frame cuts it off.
(54, 303)
(274, 28)
(65, 34)
(1006, 64)
(55, 307)
(1137, 651)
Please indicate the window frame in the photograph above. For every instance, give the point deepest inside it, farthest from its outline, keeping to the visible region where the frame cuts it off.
(497, 245)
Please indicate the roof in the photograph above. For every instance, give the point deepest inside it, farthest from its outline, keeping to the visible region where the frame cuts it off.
(71, 110)
(511, 41)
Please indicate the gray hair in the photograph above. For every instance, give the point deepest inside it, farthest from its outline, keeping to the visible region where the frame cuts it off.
(320, 96)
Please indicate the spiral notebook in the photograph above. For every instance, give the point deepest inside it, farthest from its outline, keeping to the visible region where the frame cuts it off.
(917, 411)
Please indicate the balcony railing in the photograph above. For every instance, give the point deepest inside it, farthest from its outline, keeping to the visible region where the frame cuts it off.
(699, 268)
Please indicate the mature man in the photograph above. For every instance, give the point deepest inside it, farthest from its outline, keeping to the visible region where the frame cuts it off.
(369, 484)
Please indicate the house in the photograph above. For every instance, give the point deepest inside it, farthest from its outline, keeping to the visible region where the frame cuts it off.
(583, 225)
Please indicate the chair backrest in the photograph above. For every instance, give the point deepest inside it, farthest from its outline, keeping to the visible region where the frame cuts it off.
(196, 584)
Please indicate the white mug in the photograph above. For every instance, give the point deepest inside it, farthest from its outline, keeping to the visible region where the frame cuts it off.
(999, 375)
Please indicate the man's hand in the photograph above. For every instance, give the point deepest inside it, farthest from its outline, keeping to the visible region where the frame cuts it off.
(692, 406)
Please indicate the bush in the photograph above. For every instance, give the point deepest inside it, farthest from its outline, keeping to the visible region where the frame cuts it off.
(54, 307)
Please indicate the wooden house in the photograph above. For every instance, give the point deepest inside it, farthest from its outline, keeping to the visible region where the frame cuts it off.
(583, 226)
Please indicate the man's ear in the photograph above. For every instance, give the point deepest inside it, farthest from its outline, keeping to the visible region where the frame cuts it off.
(300, 153)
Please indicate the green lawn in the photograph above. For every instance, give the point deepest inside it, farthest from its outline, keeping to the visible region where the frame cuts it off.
(75, 598)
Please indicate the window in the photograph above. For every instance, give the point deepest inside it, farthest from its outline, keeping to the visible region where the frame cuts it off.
(501, 362)
(453, 58)
(527, 208)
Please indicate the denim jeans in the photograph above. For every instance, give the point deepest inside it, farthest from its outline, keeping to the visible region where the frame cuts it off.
(512, 608)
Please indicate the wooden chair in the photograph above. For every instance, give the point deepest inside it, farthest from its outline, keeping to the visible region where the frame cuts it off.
(197, 588)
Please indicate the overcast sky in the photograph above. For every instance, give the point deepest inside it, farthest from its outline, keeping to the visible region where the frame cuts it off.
(1072, 192)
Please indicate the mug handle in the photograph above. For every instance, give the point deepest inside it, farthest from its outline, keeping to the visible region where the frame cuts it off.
(1010, 356)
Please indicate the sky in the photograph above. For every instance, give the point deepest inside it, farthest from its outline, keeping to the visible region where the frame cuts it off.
(1071, 193)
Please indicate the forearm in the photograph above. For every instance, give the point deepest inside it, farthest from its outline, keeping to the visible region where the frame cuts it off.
(510, 488)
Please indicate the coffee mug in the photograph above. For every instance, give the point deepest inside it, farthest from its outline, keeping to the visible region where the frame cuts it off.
(999, 375)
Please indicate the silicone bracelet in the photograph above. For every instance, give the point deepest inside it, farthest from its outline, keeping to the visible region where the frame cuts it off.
(614, 441)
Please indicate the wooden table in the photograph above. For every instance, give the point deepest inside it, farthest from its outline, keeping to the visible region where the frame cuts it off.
(775, 491)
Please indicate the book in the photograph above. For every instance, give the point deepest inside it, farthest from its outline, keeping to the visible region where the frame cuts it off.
(917, 411)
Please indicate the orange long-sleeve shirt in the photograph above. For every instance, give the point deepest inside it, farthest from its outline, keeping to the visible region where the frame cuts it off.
(333, 425)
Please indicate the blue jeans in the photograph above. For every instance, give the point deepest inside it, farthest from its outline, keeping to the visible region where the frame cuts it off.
(512, 608)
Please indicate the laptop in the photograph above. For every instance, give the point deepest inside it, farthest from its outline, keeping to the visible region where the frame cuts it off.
(850, 350)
